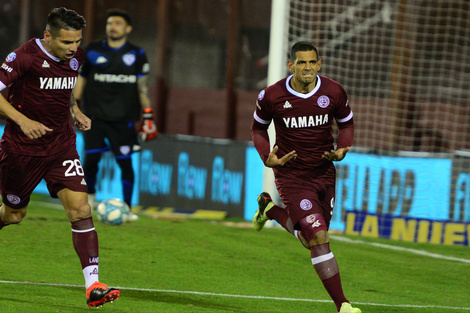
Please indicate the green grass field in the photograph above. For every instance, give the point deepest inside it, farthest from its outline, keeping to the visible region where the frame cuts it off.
(200, 266)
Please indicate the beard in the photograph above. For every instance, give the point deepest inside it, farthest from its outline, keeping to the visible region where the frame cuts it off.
(116, 37)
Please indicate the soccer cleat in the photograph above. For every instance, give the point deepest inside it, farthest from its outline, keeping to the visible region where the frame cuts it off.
(347, 308)
(99, 294)
(264, 204)
(132, 217)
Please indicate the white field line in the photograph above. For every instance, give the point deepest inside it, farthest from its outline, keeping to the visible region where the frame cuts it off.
(391, 247)
(335, 237)
(57, 206)
(212, 294)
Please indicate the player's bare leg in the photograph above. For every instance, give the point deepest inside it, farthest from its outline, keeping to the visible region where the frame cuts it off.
(9, 215)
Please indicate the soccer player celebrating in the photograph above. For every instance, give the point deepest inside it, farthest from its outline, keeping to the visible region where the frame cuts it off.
(113, 86)
(303, 106)
(39, 140)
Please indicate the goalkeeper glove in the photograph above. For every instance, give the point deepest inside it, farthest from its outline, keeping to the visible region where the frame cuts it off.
(149, 129)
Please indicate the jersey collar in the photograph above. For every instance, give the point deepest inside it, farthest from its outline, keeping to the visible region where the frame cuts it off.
(39, 43)
(299, 94)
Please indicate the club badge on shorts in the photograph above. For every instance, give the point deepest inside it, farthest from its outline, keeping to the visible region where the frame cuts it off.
(13, 199)
(305, 204)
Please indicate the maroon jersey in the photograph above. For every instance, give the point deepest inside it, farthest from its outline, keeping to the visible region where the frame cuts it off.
(303, 121)
(40, 87)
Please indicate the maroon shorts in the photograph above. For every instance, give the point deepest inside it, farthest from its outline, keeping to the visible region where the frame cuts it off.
(306, 192)
(20, 174)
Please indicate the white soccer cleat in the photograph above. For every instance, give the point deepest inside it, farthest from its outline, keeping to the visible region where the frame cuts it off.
(132, 217)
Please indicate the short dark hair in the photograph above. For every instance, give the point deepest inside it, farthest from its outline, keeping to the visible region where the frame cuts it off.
(62, 18)
(302, 46)
(121, 13)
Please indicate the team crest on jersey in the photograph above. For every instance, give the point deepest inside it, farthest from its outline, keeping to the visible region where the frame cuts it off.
(323, 102)
(261, 95)
(10, 57)
(74, 64)
(128, 58)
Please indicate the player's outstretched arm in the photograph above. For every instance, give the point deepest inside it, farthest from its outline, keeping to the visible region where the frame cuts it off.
(336, 155)
(274, 161)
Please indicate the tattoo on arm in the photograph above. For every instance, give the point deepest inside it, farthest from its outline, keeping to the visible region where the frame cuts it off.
(73, 101)
(142, 87)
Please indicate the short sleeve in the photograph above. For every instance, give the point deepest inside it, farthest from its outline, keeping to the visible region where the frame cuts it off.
(143, 67)
(14, 67)
(343, 112)
(262, 115)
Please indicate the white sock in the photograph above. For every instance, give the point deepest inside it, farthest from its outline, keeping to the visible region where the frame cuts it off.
(91, 275)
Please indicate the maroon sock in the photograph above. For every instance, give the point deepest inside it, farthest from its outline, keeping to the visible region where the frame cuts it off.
(280, 215)
(335, 290)
(85, 241)
(327, 269)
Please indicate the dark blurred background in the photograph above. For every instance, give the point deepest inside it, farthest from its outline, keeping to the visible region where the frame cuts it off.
(405, 65)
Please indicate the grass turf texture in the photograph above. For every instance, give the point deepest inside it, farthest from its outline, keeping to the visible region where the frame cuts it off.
(198, 266)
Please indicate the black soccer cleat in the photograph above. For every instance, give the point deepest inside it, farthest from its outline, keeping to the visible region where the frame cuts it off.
(99, 294)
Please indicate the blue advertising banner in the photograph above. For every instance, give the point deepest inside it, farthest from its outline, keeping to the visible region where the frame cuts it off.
(399, 186)
(460, 193)
(192, 173)
(254, 172)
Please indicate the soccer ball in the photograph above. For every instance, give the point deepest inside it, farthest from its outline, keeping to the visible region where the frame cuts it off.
(113, 211)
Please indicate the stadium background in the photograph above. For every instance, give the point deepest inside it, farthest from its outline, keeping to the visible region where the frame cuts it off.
(405, 65)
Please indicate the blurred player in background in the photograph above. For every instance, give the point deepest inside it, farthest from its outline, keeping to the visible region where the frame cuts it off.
(39, 140)
(113, 88)
(303, 107)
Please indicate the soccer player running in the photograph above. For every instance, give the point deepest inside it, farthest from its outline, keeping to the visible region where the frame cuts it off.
(39, 140)
(303, 106)
(113, 88)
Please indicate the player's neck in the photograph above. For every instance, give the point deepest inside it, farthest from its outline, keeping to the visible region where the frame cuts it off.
(301, 87)
(116, 43)
(47, 47)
